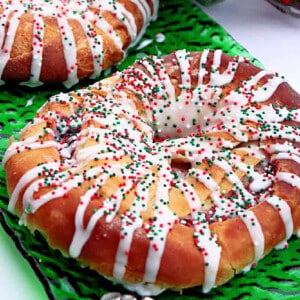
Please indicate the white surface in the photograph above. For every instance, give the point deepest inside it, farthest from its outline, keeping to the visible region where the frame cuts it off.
(269, 35)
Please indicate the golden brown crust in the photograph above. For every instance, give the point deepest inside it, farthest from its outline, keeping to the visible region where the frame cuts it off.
(202, 238)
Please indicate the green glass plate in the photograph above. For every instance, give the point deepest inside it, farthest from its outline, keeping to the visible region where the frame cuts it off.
(180, 24)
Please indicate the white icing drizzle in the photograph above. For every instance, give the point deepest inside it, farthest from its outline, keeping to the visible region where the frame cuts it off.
(286, 216)
(205, 178)
(278, 131)
(217, 78)
(289, 178)
(12, 24)
(121, 13)
(160, 79)
(207, 243)
(130, 222)
(165, 219)
(281, 148)
(32, 206)
(290, 156)
(265, 92)
(37, 51)
(111, 204)
(236, 182)
(108, 29)
(186, 84)
(69, 48)
(25, 179)
(283, 151)
(110, 128)
(29, 144)
(260, 94)
(191, 195)
(255, 231)
(258, 181)
(202, 66)
(96, 47)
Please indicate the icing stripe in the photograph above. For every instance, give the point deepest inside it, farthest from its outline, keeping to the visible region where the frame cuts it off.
(207, 243)
(12, 24)
(122, 14)
(96, 47)
(202, 66)
(164, 220)
(30, 144)
(25, 179)
(69, 48)
(37, 51)
(286, 216)
(289, 178)
(110, 208)
(130, 222)
(282, 155)
(255, 231)
(186, 82)
(217, 78)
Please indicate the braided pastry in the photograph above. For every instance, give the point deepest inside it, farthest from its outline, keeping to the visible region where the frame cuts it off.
(179, 171)
(67, 40)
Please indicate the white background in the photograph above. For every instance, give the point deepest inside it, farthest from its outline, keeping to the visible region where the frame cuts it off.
(269, 35)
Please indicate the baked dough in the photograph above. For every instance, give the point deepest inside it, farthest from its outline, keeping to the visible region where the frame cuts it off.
(67, 40)
(180, 171)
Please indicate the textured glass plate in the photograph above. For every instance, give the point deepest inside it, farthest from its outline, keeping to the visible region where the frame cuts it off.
(180, 25)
